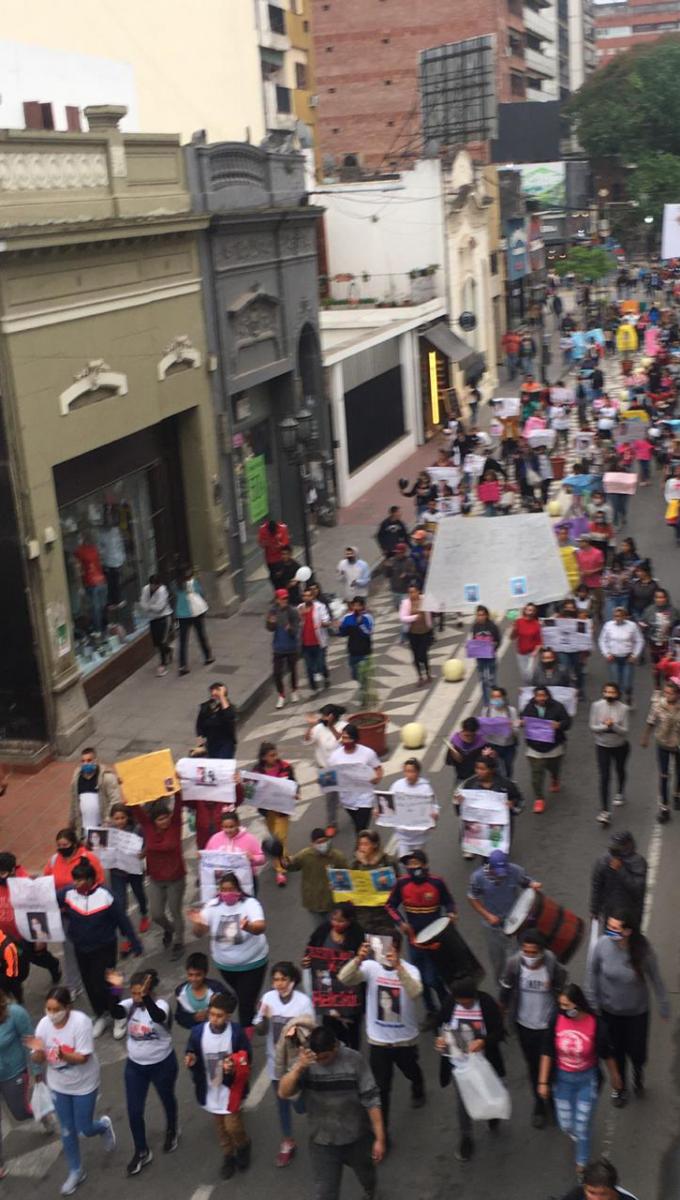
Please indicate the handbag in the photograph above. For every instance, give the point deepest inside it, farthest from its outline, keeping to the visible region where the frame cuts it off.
(41, 1101)
(484, 1096)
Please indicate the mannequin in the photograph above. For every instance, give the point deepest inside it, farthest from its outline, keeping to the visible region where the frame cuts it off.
(93, 578)
(112, 550)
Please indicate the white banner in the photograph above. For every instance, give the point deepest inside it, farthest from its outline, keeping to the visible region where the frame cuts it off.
(506, 406)
(447, 475)
(568, 634)
(207, 779)
(485, 821)
(402, 810)
(568, 696)
(353, 778)
(214, 863)
(116, 849)
(269, 792)
(36, 910)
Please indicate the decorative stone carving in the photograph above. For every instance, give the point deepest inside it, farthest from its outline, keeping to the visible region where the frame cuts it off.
(180, 353)
(97, 376)
(237, 165)
(41, 172)
(294, 240)
(254, 317)
(244, 248)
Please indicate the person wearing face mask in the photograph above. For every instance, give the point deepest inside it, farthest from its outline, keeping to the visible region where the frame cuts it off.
(94, 789)
(342, 934)
(548, 671)
(416, 900)
(609, 726)
(546, 756)
(355, 574)
(238, 942)
(68, 854)
(574, 1043)
(619, 880)
(219, 1056)
(657, 623)
(312, 861)
(275, 1018)
(505, 742)
(494, 888)
(356, 797)
(323, 731)
(234, 839)
(664, 718)
(16, 1067)
(621, 643)
(166, 870)
(621, 968)
(416, 787)
(369, 855)
(64, 1042)
(530, 987)
(470, 1022)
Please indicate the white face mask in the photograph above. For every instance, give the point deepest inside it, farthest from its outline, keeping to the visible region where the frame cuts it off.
(57, 1018)
(531, 963)
(321, 847)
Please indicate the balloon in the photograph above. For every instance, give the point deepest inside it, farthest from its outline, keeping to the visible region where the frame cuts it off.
(554, 508)
(453, 670)
(413, 735)
(303, 574)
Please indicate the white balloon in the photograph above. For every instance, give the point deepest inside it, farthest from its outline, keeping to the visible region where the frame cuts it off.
(303, 574)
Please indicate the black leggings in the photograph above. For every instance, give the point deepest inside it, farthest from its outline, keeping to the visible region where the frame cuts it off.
(93, 965)
(247, 986)
(185, 624)
(383, 1060)
(628, 1037)
(360, 818)
(606, 755)
(420, 648)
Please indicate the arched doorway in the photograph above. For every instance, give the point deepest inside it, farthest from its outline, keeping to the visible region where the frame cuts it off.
(309, 365)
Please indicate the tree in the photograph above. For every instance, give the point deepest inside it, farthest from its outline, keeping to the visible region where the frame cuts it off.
(587, 263)
(655, 182)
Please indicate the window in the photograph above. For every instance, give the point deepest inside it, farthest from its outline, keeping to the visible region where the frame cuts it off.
(72, 118)
(517, 87)
(301, 75)
(493, 262)
(283, 104)
(277, 19)
(329, 49)
(612, 31)
(38, 115)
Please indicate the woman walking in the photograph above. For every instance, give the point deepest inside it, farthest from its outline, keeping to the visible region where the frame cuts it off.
(155, 601)
(15, 1065)
(238, 944)
(275, 1018)
(342, 935)
(121, 818)
(575, 1041)
(269, 763)
(545, 753)
(419, 624)
(502, 739)
(323, 731)
(526, 632)
(485, 630)
(219, 1057)
(622, 967)
(64, 1041)
(190, 609)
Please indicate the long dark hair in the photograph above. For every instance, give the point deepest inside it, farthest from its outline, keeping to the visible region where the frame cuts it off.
(265, 748)
(577, 996)
(638, 945)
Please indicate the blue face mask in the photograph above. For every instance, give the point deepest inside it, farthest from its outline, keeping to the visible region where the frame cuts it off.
(615, 935)
(496, 702)
(88, 770)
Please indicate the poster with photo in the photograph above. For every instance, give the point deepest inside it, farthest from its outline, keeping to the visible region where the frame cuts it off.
(36, 910)
(147, 777)
(208, 779)
(116, 849)
(269, 792)
(568, 634)
(327, 992)
(366, 889)
(214, 863)
(403, 810)
(485, 821)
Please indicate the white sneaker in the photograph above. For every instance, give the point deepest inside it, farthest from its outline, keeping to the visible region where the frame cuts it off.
(294, 697)
(100, 1026)
(318, 679)
(604, 818)
(280, 701)
(73, 1180)
(619, 799)
(119, 1028)
(108, 1135)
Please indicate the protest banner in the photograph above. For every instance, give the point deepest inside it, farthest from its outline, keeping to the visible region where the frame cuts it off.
(568, 634)
(367, 889)
(208, 779)
(450, 476)
(620, 483)
(214, 863)
(36, 911)
(269, 792)
(326, 991)
(116, 849)
(485, 821)
(403, 810)
(479, 647)
(353, 777)
(568, 696)
(536, 729)
(495, 727)
(541, 437)
(147, 777)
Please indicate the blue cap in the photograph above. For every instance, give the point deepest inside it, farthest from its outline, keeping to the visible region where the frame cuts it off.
(498, 862)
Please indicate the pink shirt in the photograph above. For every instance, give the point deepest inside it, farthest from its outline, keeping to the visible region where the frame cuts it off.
(643, 450)
(243, 843)
(590, 564)
(575, 1043)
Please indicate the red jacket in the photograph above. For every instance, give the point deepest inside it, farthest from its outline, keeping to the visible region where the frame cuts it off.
(7, 920)
(273, 543)
(164, 858)
(62, 867)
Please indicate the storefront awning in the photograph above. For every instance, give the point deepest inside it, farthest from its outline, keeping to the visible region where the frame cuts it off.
(474, 367)
(444, 339)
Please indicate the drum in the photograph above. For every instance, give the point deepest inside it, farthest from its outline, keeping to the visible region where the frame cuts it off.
(451, 954)
(561, 928)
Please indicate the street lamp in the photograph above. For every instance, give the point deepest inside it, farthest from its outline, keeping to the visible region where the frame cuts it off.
(296, 434)
(649, 220)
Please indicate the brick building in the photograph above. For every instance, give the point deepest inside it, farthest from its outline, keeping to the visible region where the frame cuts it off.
(627, 23)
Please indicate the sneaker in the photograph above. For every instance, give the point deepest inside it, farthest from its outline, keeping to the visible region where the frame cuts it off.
(167, 938)
(539, 805)
(330, 831)
(108, 1135)
(281, 700)
(294, 697)
(119, 1029)
(144, 925)
(664, 814)
(603, 817)
(281, 879)
(465, 1150)
(177, 952)
(139, 1160)
(286, 1152)
(228, 1166)
(554, 785)
(72, 1181)
(318, 679)
(243, 1156)
(210, 660)
(101, 1025)
(618, 1097)
(619, 799)
(171, 1141)
(638, 1083)
(467, 854)
(161, 671)
(184, 670)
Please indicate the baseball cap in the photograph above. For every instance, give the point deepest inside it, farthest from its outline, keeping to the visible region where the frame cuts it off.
(317, 834)
(498, 862)
(281, 592)
(419, 855)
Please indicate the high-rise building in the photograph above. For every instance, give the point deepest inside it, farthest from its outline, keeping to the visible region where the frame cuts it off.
(621, 24)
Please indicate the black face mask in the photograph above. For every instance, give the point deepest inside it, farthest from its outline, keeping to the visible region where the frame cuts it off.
(65, 851)
(417, 873)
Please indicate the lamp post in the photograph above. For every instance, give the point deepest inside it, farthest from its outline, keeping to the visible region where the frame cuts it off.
(296, 434)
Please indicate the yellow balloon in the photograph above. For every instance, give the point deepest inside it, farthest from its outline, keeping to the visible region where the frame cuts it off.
(453, 670)
(413, 735)
(554, 508)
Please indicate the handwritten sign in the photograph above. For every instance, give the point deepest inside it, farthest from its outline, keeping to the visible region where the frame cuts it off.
(327, 991)
(480, 648)
(536, 729)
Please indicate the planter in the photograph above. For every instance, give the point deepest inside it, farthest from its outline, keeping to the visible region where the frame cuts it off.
(372, 728)
(558, 465)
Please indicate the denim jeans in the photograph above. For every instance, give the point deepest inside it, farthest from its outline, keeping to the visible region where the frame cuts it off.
(575, 1096)
(573, 663)
(285, 1110)
(313, 659)
(507, 756)
(486, 668)
(75, 1116)
(663, 757)
(431, 979)
(354, 660)
(621, 672)
(119, 887)
(138, 1080)
(612, 602)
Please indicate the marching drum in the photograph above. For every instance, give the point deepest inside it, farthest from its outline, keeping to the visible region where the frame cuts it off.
(451, 954)
(560, 927)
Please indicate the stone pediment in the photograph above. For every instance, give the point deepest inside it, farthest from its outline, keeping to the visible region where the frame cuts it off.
(95, 382)
(254, 317)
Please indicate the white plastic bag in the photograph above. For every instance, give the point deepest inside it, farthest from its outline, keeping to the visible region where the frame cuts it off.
(41, 1101)
(484, 1097)
(592, 943)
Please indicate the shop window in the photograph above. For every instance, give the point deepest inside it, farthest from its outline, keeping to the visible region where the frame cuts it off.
(374, 417)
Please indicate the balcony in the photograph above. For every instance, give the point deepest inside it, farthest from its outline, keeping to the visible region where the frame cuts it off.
(271, 24)
(539, 62)
(539, 23)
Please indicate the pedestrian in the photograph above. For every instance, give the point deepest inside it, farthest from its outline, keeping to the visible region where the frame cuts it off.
(392, 986)
(664, 718)
(272, 536)
(600, 1182)
(342, 935)
(531, 984)
(151, 1059)
(216, 723)
(196, 990)
(219, 1056)
(574, 1044)
(510, 343)
(64, 1042)
(417, 788)
(121, 818)
(503, 740)
(464, 748)
(94, 788)
(474, 401)
(238, 942)
(621, 968)
(13, 968)
(622, 644)
(486, 630)
(323, 731)
(283, 621)
(269, 763)
(356, 796)
(402, 572)
(419, 624)
(609, 727)
(284, 576)
(166, 870)
(619, 880)
(644, 452)
(487, 776)
(92, 916)
(494, 890)
(190, 609)
(615, 587)
(342, 1101)
(546, 755)
(417, 899)
(470, 1022)
(232, 838)
(357, 626)
(568, 555)
(355, 574)
(526, 633)
(313, 862)
(643, 587)
(369, 855)
(572, 662)
(155, 603)
(657, 623)
(591, 562)
(16, 1067)
(527, 353)
(69, 853)
(391, 531)
(275, 1019)
(423, 490)
(315, 620)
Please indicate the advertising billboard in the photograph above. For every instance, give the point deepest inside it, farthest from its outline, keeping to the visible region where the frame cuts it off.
(545, 182)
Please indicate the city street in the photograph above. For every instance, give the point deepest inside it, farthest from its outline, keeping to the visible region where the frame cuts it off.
(558, 848)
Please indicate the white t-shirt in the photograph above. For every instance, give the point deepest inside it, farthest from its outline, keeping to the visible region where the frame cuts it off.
(280, 1012)
(230, 945)
(147, 1041)
(76, 1034)
(324, 742)
(390, 1011)
(359, 795)
(90, 810)
(535, 1002)
(415, 839)
(215, 1047)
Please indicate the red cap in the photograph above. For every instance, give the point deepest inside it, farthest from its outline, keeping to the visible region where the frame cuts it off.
(281, 592)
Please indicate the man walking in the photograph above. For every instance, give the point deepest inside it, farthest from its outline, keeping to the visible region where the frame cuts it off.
(530, 985)
(609, 727)
(216, 723)
(621, 643)
(284, 622)
(357, 627)
(494, 889)
(619, 880)
(94, 788)
(391, 531)
(314, 622)
(272, 536)
(355, 574)
(416, 900)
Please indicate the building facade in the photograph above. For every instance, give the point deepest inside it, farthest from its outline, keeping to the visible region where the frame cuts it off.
(623, 24)
(107, 447)
(261, 295)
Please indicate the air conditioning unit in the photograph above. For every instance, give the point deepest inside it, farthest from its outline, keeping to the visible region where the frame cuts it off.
(313, 101)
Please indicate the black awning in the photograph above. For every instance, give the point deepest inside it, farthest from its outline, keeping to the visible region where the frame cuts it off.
(444, 339)
(474, 367)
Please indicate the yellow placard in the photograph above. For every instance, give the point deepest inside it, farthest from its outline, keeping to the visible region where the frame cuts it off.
(148, 777)
(367, 889)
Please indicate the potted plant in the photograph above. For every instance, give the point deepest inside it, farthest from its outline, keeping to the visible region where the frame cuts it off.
(371, 723)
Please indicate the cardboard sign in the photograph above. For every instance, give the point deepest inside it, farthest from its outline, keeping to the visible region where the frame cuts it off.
(478, 647)
(618, 483)
(147, 777)
(366, 889)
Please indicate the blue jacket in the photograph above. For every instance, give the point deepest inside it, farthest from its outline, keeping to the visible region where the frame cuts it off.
(92, 919)
(239, 1041)
(182, 608)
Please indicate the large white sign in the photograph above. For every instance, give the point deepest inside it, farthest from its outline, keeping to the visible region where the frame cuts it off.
(36, 910)
(403, 810)
(116, 849)
(485, 821)
(207, 779)
(269, 792)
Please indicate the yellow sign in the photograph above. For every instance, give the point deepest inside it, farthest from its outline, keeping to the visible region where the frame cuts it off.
(148, 777)
(367, 889)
